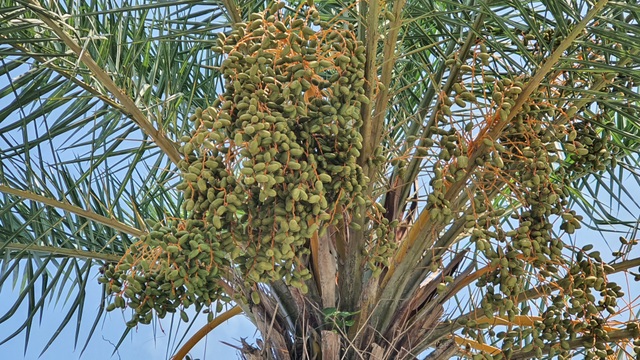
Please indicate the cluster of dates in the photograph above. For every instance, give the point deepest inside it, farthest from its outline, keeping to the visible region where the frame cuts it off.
(540, 150)
(268, 165)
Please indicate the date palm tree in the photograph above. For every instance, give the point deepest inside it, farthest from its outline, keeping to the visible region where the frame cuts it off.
(484, 152)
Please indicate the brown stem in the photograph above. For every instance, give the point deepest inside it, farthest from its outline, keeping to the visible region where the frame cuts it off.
(624, 265)
(184, 350)
(447, 350)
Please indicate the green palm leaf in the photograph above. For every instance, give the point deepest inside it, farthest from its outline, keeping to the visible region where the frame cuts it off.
(95, 100)
(68, 139)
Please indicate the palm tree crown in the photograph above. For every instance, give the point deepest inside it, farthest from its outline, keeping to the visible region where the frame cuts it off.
(380, 180)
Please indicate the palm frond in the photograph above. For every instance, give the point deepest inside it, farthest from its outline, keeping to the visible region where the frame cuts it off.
(94, 97)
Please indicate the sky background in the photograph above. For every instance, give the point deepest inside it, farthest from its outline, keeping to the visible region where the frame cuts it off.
(150, 342)
(144, 342)
(141, 344)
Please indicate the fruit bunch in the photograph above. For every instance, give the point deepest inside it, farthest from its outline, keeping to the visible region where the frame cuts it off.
(268, 165)
(540, 150)
(274, 158)
(170, 268)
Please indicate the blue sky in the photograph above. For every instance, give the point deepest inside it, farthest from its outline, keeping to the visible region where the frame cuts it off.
(147, 342)
(142, 344)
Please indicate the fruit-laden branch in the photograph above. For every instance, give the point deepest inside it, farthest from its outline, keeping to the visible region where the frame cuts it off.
(542, 290)
(527, 352)
(579, 104)
(528, 89)
(425, 108)
(112, 223)
(253, 206)
(425, 228)
(163, 142)
(454, 325)
(616, 335)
